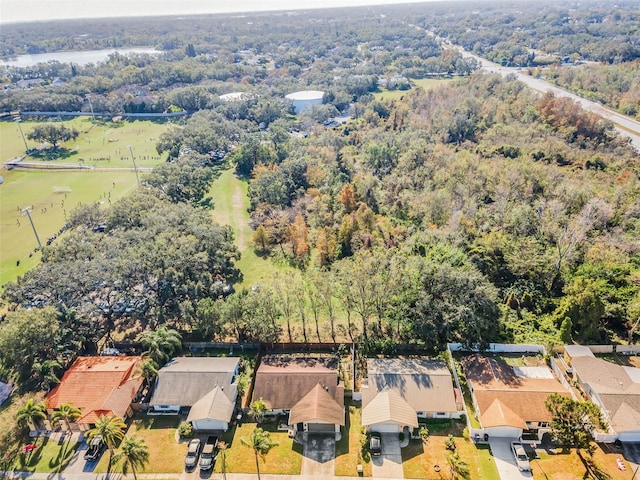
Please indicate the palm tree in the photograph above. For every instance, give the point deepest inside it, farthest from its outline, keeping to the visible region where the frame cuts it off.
(261, 443)
(458, 467)
(44, 373)
(222, 448)
(161, 344)
(31, 413)
(67, 413)
(258, 410)
(111, 429)
(134, 454)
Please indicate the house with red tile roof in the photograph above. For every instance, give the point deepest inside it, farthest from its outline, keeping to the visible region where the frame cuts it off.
(98, 386)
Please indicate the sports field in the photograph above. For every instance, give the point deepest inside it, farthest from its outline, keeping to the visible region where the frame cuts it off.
(53, 194)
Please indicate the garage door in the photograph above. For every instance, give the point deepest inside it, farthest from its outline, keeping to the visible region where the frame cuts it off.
(321, 427)
(504, 432)
(385, 428)
(629, 436)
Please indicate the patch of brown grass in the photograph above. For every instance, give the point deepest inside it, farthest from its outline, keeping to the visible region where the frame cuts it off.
(568, 466)
(349, 446)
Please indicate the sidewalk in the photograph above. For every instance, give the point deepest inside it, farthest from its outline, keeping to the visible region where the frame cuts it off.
(151, 476)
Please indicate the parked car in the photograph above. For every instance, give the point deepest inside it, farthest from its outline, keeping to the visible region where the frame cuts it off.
(522, 460)
(209, 453)
(191, 460)
(375, 444)
(96, 447)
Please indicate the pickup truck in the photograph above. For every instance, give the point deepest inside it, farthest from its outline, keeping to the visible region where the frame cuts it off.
(209, 453)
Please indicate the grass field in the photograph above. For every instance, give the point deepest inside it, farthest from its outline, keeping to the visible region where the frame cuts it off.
(50, 207)
(98, 145)
(426, 83)
(231, 207)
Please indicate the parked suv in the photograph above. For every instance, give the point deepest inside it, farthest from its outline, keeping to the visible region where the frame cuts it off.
(375, 444)
(96, 447)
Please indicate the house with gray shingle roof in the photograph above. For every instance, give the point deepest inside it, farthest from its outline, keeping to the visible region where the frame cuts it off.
(614, 388)
(206, 386)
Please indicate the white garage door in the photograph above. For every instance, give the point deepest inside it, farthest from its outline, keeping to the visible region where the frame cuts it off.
(504, 432)
(632, 437)
(385, 428)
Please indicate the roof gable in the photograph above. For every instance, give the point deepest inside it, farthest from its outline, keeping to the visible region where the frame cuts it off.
(317, 405)
(214, 405)
(388, 406)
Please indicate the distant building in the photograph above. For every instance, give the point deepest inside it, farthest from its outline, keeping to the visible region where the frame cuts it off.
(305, 99)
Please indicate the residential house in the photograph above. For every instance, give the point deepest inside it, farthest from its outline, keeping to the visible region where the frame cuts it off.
(98, 386)
(206, 386)
(308, 390)
(614, 388)
(398, 392)
(510, 401)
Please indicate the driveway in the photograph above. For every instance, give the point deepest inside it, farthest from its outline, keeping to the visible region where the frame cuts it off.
(505, 463)
(318, 456)
(389, 464)
(631, 452)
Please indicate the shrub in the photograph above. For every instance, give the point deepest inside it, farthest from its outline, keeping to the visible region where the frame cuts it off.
(185, 430)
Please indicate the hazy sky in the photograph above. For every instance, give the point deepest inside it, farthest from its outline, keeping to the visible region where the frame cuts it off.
(34, 10)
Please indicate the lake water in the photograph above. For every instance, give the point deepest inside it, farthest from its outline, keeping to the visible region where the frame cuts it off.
(80, 58)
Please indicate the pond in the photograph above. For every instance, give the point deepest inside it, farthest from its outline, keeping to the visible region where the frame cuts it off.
(78, 57)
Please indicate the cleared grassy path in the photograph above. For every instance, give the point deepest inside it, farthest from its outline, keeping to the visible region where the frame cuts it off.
(231, 207)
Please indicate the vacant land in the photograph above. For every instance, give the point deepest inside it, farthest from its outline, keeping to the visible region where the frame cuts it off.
(231, 207)
(568, 466)
(425, 83)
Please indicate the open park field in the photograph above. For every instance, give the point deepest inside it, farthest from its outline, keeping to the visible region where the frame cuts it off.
(54, 193)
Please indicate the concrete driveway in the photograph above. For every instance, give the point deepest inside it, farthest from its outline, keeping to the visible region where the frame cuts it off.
(389, 464)
(318, 456)
(505, 463)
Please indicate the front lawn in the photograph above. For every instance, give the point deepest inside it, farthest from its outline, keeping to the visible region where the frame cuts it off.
(420, 459)
(159, 434)
(285, 459)
(568, 466)
(349, 446)
(49, 456)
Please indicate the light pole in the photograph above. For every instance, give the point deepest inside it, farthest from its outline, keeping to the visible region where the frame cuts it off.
(26, 212)
(26, 147)
(135, 168)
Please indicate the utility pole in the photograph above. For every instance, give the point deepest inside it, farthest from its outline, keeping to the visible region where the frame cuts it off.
(26, 147)
(26, 212)
(93, 117)
(135, 168)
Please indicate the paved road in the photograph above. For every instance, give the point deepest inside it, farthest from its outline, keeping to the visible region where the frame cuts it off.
(625, 126)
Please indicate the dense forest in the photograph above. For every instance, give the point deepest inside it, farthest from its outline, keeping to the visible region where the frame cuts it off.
(473, 212)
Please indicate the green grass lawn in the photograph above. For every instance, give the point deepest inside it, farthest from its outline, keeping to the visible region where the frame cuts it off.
(159, 434)
(285, 459)
(49, 456)
(231, 207)
(349, 446)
